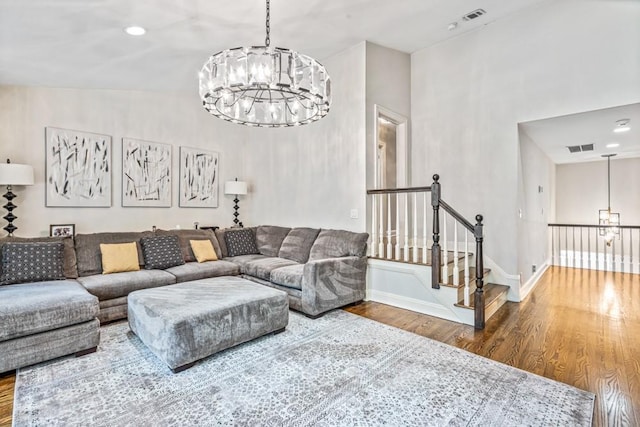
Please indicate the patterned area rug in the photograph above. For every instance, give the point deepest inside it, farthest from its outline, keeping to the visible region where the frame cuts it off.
(339, 370)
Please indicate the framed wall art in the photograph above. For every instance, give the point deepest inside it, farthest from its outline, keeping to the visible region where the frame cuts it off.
(198, 178)
(146, 173)
(77, 168)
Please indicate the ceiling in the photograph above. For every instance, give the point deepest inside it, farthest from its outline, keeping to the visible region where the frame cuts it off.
(592, 127)
(81, 43)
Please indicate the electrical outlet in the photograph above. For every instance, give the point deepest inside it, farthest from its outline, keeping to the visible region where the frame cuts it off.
(533, 268)
(354, 213)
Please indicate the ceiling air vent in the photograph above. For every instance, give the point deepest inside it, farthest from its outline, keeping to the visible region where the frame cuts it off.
(574, 149)
(580, 148)
(473, 15)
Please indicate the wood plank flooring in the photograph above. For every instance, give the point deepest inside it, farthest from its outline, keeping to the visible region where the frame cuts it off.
(580, 327)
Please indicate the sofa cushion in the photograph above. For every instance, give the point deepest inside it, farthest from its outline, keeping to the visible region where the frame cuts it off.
(31, 262)
(70, 265)
(119, 257)
(203, 270)
(269, 239)
(116, 285)
(338, 243)
(88, 249)
(185, 236)
(298, 243)
(262, 268)
(203, 250)
(220, 232)
(289, 276)
(243, 260)
(161, 252)
(241, 241)
(30, 308)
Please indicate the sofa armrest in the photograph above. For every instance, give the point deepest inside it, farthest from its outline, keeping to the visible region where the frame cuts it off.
(333, 282)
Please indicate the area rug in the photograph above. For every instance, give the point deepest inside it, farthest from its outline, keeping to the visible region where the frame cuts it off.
(339, 370)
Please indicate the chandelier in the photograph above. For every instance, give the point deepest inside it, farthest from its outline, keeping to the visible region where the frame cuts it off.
(609, 221)
(265, 86)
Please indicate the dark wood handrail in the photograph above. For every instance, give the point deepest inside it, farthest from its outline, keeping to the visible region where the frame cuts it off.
(594, 226)
(399, 190)
(457, 216)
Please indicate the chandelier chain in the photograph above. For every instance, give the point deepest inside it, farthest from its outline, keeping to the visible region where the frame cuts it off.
(267, 40)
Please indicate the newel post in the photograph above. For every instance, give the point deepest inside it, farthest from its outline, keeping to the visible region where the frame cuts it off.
(479, 293)
(436, 271)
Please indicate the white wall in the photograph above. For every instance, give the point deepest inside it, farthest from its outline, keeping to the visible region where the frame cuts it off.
(536, 205)
(313, 175)
(469, 93)
(582, 191)
(176, 119)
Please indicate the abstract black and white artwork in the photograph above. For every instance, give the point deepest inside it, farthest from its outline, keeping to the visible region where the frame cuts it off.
(146, 173)
(77, 168)
(198, 178)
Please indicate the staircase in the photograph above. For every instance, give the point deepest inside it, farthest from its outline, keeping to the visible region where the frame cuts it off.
(404, 250)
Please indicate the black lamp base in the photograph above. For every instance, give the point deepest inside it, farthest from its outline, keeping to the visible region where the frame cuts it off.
(10, 217)
(236, 221)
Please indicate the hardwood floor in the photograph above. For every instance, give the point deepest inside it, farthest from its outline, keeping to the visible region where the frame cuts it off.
(580, 327)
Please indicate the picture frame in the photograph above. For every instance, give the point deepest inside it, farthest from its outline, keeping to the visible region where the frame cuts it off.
(77, 169)
(199, 178)
(62, 230)
(146, 173)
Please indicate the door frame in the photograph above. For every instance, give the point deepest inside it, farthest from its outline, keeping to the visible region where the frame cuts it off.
(402, 145)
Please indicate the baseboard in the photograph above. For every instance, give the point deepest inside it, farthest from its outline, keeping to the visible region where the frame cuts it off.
(530, 284)
(501, 277)
(412, 304)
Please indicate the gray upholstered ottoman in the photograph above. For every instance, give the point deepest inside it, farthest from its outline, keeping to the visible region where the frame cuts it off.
(189, 321)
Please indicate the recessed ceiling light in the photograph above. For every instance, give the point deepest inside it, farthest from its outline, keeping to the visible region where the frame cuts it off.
(622, 125)
(135, 30)
(613, 145)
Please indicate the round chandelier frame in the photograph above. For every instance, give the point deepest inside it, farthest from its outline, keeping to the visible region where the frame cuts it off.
(263, 86)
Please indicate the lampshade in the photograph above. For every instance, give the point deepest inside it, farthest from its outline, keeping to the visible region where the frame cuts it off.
(235, 187)
(15, 174)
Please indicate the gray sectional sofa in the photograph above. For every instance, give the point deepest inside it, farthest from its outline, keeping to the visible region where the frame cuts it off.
(318, 269)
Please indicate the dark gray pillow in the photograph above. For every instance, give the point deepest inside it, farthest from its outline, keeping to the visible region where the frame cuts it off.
(32, 262)
(241, 242)
(298, 243)
(161, 252)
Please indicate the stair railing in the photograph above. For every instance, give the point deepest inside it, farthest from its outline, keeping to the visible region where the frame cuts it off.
(584, 246)
(407, 246)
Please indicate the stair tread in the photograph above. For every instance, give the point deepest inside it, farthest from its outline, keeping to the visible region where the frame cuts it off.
(472, 278)
(492, 291)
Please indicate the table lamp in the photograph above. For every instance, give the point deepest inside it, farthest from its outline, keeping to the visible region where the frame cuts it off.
(13, 174)
(237, 188)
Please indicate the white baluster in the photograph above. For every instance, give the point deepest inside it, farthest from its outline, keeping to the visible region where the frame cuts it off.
(424, 228)
(397, 227)
(445, 251)
(389, 246)
(456, 269)
(374, 237)
(381, 225)
(466, 267)
(406, 227)
(414, 220)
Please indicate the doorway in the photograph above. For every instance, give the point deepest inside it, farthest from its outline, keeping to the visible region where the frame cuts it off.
(391, 134)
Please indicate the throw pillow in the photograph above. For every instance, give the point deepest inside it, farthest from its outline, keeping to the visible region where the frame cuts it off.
(32, 262)
(241, 242)
(203, 250)
(119, 257)
(161, 252)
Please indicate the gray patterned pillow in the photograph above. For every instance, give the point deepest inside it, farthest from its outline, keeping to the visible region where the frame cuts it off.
(241, 242)
(161, 252)
(32, 262)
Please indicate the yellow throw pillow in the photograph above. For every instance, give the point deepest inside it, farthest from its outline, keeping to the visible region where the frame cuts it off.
(119, 257)
(203, 250)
